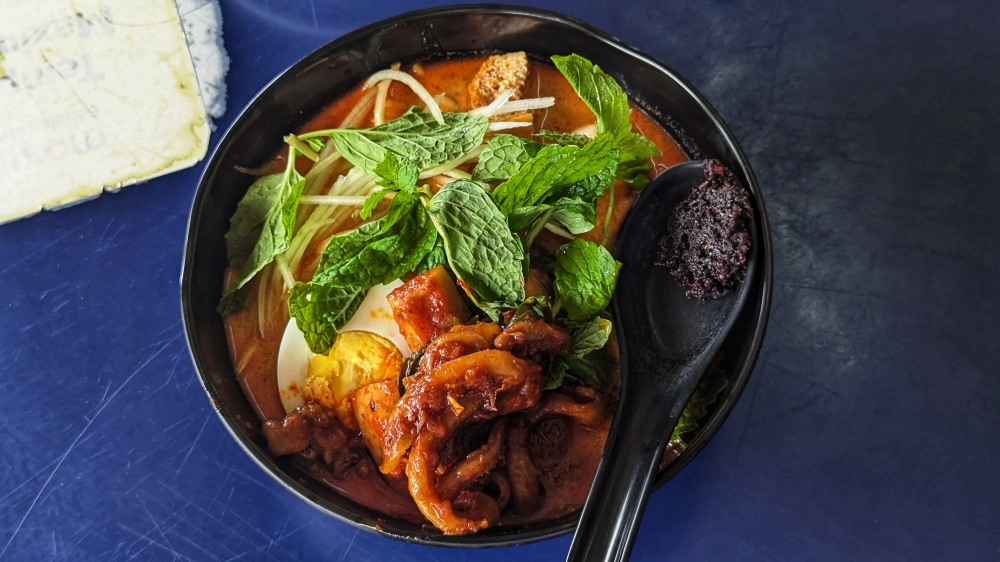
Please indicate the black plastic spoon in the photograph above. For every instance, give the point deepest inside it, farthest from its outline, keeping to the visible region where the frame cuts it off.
(666, 343)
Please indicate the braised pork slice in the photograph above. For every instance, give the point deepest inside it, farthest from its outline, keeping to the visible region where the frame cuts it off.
(531, 337)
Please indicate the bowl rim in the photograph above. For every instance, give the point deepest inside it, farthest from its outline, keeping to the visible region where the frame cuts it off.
(723, 408)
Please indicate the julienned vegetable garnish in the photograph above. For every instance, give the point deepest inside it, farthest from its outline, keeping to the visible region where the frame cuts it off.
(469, 237)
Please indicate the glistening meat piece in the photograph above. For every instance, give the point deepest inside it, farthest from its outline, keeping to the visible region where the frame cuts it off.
(374, 405)
(498, 485)
(585, 406)
(478, 463)
(525, 489)
(459, 341)
(474, 387)
(427, 306)
(477, 506)
(532, 337)
(313, 430)
(288, 435)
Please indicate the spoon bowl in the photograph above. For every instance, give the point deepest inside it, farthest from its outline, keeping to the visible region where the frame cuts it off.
(666, 343)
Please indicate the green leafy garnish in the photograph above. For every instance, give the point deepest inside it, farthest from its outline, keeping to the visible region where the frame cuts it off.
(589, 335)
(503, 156)
(560, 171)
(381, 250)
(247, 222)
(555, 372)
(708, 391)
(320, 310)
(572, 213)
(610, 106)
(636, 150)
(396, 174)
(564, 139)
(582, 362)
(368, 207)
(599, 91)
(585, 277)
(484, 254)
(275, 233)
(591, 369)
(316, 144)
(434, 258)
(533, 308)
(413, 136)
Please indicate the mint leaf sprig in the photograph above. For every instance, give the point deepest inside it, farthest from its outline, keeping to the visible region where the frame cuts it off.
(397, 174)
(585, 278)
(480, 248)
(414, 136)
(608, 101)
(271, 203)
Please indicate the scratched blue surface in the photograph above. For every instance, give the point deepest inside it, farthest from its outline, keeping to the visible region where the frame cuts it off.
(870, 429)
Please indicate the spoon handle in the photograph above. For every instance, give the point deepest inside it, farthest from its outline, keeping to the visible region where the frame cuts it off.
(611, 515)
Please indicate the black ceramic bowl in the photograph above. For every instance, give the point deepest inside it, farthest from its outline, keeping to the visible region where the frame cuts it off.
(332, 70)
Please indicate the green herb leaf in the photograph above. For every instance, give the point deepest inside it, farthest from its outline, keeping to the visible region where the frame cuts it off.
(591, 369)
(636, 150)
(321, 310)
(637, 178)
(522, 217)
(434, 258)
(533, 308)
(368, 207)
(379, 251)
(484, 254)
(413, 136)
(503, 156)
(585, 277)
(610, 106)
(396, 174)
(564, 139)
(599, 91)
(589, 335)
(575, 215)
(316, 144)
(275, 235)
(248, 220)
(555, 372)
(572, 213)
(583, 362)
(558, 171)
(708, 391)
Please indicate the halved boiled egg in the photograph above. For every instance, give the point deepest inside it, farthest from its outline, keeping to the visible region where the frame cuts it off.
(375, 316)
(358, 358)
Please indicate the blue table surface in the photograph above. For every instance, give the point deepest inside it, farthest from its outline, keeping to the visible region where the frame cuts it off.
(870, 429)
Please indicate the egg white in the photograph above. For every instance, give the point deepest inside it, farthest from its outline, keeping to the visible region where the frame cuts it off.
(374, 315)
